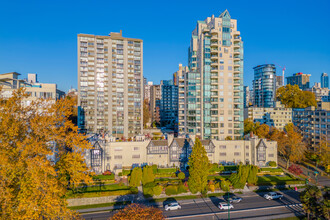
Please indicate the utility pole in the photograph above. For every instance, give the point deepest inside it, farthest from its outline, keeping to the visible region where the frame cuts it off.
(228, 205)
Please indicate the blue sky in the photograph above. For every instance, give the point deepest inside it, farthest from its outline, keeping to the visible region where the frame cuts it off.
(41, 36)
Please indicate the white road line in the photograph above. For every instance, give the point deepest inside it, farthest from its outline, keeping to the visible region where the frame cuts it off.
(233, 211)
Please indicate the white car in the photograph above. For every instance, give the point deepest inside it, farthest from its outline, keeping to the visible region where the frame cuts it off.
(172, 206)
(225, 206)
(273, 195)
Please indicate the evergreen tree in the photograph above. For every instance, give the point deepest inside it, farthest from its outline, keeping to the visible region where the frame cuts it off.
(147, 175)
(135, 179)
(252, 178)
(199, 166)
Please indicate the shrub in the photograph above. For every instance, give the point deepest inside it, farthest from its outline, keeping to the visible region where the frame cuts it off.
(157, 190)
(135, 178)
(171, 190)
(181, 189)
(120, 174)
(217, 185)
(272, 164)
(173, 175)
(212, 187)
(295, 169)
(148, 189)
(181, 175)
(107, 172)
(225, 185)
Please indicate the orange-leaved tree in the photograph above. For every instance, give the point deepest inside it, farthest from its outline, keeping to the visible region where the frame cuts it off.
(137, 212)
(41, 155)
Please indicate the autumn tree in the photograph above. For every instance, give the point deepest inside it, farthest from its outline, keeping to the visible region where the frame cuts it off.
(262, 131)
(249, 126)
(74, 116)
(135, 177)
(146, 112)
(323, 153)
(228, 138)
(137, 212)
(199, 166)
(293, 97)
(41, 155)
(290, 145)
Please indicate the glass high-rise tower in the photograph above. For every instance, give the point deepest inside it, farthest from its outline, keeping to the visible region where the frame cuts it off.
(213, 84)
(264, 86)
(324, 80)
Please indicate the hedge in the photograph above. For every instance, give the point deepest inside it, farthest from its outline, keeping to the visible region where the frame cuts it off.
(230, 168)
(166, 170)
(126, 172)
(274, 170)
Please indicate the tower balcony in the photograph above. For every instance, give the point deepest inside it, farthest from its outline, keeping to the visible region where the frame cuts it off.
(237, 45)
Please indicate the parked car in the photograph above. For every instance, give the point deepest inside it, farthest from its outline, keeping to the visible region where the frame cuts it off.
(232, 198)
(273, 195)
(172, 206)
(225, 206)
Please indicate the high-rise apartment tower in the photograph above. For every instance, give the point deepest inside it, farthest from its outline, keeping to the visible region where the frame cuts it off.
(213, 87)
(264, 85)
(110, 84)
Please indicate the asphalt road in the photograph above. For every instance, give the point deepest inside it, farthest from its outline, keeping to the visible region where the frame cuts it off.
(253, 206)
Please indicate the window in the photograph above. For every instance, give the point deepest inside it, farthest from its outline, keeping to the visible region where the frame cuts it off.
(247, 154)
(237, 147)
(247, 147)
(270, 155)
(222, 146)
(118, 157)
(136, 156)
(237, 153)
(136, 148)
(223, 154)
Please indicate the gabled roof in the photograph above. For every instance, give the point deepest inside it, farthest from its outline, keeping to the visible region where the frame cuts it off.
(205, 142)
(181, 141)
(261, 143)
(159, 142)
(225, 14)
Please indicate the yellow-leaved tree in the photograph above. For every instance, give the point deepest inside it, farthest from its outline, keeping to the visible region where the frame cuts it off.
(41, 156)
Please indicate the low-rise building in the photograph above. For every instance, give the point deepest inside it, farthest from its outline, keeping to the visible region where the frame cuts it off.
(36, 90)
(318, 91)
(277, 117)
(313, 122)
(107, 154)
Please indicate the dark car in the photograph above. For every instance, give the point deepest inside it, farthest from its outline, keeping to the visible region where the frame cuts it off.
(232, 198)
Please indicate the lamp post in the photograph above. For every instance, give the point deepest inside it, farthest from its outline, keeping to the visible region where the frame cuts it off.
(228, 205)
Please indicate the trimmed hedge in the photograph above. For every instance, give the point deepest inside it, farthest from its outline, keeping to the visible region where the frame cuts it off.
(230, 168)
(166, 170)
(274, 170)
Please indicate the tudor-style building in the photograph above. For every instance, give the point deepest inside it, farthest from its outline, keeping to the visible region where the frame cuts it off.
(107, 154)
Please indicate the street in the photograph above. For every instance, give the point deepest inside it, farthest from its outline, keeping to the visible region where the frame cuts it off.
(253, 206)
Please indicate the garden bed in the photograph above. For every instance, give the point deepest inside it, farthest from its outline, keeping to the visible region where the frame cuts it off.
(270, 180)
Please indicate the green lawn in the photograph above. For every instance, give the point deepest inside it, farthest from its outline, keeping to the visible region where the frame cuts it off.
(104, 177)
(279, 170)
(277, 180)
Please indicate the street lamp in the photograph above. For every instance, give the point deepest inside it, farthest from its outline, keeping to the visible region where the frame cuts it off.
(228, 205)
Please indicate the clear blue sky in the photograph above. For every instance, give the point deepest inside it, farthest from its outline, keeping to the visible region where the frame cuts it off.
(41, 36)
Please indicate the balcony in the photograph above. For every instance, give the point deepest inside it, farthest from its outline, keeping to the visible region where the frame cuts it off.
(237, 46)
(214, 57)
(214, 43)
(213, 70)
(214, 31)
(214, 50)
(214, 64)
(214, 37)
(206, 30)
(236, 52)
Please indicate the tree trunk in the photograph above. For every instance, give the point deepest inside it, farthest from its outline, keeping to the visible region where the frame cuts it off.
(287, 164)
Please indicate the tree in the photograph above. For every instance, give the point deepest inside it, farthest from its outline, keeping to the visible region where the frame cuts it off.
(147, 175)
(225, 185)
(323, 153)
(253, 178)
(181, 176)
(137, 212)
(293, 97)
(228, 138)
(135, 178)
(146, 112)
(199, 166)
(262, 131)
(41, 155)
(290, 145)
(249, 126)
(310, 199)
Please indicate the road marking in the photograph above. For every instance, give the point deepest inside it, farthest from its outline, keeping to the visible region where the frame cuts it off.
(233, 211)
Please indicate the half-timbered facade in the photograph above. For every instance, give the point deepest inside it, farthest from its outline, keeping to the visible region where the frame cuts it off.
(107, 154)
